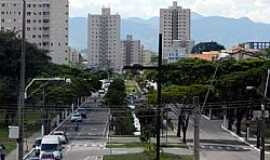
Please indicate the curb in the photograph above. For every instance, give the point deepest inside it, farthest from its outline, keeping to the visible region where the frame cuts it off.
(242, 140)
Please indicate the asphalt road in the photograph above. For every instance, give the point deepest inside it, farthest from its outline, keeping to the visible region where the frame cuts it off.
(217, 144)
(88, 143)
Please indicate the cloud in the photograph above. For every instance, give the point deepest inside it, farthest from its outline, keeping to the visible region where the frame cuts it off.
(257, 10)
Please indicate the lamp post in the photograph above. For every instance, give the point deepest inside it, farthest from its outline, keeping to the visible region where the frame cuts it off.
(44, 123)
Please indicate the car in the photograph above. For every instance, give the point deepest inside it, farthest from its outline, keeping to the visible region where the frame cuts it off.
(47, 157)
(51, 145)
(101, 92)
(62, 135)
(37, 146)
(76, 117)
(83, 112)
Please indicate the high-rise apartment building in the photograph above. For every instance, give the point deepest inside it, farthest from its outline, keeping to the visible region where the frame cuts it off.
(104, 44)
(175, 27)
(46, 24)
(132, 51)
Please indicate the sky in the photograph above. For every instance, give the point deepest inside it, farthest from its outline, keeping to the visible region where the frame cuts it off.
(257, 10)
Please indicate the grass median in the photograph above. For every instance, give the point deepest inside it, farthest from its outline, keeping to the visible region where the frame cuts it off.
(139, 145)
(146, 156)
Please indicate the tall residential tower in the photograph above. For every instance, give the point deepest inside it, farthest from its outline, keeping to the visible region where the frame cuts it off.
(175, 27)
(46, 24)
(104, 44)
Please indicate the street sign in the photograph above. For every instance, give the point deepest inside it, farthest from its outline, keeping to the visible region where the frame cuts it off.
(13, 132)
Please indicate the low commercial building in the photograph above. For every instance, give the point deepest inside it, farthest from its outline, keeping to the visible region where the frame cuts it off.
(255, 45)
(208, 56)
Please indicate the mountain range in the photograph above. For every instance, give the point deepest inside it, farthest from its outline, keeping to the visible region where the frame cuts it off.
(226, 31)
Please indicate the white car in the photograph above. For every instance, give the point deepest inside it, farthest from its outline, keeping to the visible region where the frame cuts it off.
(62, 135)
(51, 145)
(76, 117)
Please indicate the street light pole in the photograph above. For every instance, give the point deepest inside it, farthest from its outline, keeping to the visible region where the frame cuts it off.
(22, 88)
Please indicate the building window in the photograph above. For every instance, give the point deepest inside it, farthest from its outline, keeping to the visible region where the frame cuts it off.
(34, 5)
(28, 13)
(29, 5)
(46, 13)
(2, 12)
(33, 36)
(46, 20)
(34, 21)
(2, 28)
(39, 36)
(3, 4)
(2, 20)
(28, 21)
(46, 28)
(28, 28)
(14, 4)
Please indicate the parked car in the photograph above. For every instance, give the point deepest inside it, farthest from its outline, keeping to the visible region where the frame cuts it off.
(83, 112)
(76, 117)
(62, 135)
(101, 92)
(37, 146)
(51, 145)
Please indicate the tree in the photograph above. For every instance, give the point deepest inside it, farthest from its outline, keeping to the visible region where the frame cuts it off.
(206, 47)
(116, 93)
(10, 52)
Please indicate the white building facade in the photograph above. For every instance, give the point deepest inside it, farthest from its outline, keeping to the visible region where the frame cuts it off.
(132, 51)
(46, 24)
(104, 44)
(175, 28)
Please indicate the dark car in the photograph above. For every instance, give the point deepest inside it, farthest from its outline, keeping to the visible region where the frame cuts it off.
(83, 112)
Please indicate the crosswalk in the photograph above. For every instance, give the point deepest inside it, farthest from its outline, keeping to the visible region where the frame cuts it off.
(224, 148)
(86, 146)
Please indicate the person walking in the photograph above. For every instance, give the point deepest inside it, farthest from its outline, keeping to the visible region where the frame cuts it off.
(2, 152)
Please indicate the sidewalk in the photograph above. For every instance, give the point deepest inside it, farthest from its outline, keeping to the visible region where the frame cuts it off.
(28, 143)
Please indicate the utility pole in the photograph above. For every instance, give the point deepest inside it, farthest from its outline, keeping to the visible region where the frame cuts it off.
(262, 157)
(159, 97)
(262, 149)
(159, 69)
(21, 88)
(197, 116)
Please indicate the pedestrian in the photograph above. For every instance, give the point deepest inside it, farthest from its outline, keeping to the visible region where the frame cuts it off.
(2, 152)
